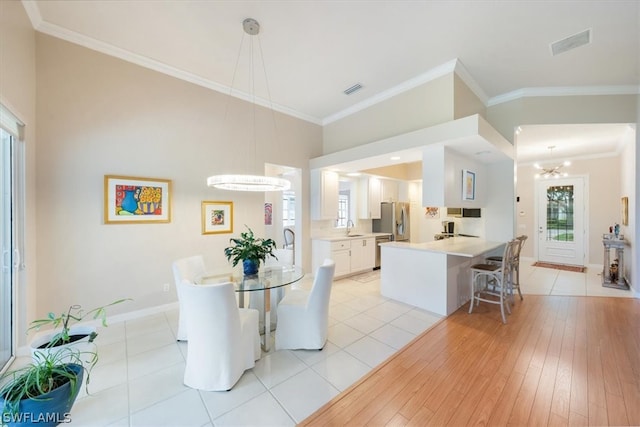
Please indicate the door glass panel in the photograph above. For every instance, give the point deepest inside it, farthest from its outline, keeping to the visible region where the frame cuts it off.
(6, 244)
(560, 207)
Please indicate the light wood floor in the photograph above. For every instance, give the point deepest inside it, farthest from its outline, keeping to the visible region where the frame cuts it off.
(559, 360)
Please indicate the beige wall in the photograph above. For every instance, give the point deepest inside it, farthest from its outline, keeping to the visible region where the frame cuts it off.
(507, 116)
(426, 105)
(18, 94)
(100, 115)
(465, 102)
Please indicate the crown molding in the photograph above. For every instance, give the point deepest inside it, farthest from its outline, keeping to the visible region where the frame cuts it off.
(454, 66)
(33, 13)
(430, 75)
(466, 77)
(563, 91)
(152, 64)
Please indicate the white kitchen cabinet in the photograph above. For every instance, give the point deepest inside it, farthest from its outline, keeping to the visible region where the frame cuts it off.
(324, 194)
(342, 258)
(352, 255)
(370, 198)
(363, 254)
(389, 190)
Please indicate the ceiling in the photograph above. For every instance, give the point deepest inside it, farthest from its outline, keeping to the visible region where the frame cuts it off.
(313, 50)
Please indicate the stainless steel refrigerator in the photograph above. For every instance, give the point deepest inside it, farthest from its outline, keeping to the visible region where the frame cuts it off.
(394, 219)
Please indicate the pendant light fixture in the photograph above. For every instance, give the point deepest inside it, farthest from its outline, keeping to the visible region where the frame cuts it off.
(248, 182)
(551, 171)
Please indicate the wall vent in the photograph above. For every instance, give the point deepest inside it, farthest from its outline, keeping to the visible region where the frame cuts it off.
(356, 87)
(571, 42)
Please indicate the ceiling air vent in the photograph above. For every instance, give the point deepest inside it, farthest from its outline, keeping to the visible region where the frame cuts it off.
(571, 42)
(356, 87)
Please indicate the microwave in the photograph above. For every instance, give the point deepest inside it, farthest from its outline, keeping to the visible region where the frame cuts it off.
(470, 212)
(464, 212)
(455, 212)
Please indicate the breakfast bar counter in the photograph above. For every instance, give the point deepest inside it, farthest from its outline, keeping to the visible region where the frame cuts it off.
(434, 275)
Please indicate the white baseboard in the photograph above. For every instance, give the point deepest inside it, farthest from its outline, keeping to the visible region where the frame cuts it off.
(24, 350)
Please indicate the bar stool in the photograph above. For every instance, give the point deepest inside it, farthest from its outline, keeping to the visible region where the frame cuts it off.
(515, 266)
(489, 282)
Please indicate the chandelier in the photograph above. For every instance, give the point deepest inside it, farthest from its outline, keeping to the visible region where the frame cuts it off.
(551, 171)
(248, 182)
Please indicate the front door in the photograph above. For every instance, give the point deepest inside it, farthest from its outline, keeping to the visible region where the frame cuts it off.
(561, 224)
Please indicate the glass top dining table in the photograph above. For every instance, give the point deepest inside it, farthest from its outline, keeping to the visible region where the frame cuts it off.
(268, 278)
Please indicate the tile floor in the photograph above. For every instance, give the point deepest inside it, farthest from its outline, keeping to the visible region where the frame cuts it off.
(138, 381)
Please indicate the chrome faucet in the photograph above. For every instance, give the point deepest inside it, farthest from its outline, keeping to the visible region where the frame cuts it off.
(349, 228)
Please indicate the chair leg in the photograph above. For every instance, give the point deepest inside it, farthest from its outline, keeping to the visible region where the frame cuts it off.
(504, 319)
(517, 268)
(502, 304)
(472, 292)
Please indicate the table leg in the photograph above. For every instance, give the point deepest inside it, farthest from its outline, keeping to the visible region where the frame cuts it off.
(267, 319)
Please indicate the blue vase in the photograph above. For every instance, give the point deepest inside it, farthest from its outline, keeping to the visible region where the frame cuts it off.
(250, 266)
(129, 203)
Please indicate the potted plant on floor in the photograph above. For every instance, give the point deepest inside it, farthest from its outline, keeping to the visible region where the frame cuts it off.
(43, 392)
(250, 250)
(66, 330)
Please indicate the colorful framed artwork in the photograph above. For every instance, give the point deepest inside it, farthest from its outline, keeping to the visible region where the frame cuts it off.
(217, 217)
(132, 200)
(432, 212)
(268, 214)
(468, 185)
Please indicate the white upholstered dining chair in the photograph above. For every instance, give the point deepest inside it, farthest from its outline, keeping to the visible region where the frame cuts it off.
(223, 339)
(303, 316)
(185, 269)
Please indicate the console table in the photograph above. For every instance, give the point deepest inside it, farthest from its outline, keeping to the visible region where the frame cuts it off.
(613, 274)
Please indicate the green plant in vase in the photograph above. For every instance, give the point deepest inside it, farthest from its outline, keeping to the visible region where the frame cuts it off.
(44, 391)
(250, 250)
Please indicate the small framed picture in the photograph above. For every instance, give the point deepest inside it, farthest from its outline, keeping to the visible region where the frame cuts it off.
(217, 217)
(432, 212)
(468, 185)
(130, 200)
(268, 214)
(625, 211)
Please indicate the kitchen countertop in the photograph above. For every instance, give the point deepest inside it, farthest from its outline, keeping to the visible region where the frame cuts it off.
(461, 246)
(337, 238)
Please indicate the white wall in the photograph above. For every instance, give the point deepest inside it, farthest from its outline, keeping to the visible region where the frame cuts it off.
(99, 115)
(628, 188)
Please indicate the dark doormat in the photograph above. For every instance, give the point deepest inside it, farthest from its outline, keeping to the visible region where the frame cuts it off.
(560, 266)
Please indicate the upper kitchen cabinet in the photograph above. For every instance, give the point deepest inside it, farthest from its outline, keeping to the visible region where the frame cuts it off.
(389, 190)
(324, 194)
(369, 198)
